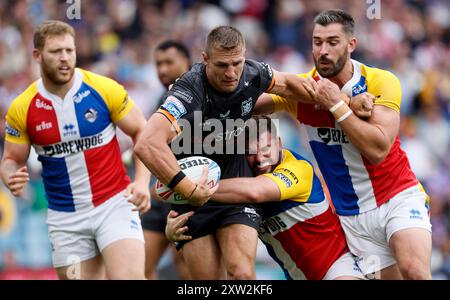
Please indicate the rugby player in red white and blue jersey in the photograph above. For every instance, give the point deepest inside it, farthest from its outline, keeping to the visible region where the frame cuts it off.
(383, 208)
(70, 116)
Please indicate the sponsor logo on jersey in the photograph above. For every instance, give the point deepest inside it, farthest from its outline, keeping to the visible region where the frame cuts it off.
(324, 134)
(284, 170)
(225, 115)
(360, 87)
(268, 68)
(272, 225)
(134, 225)
(44, 126)
(332, 135)
(174, 107)
(183, 95)
(90, 115)
(415, 214)
(11, 131)
(124, 103)
(247, 106)
(74, 146)
(80, 96)
(43, 105)
(69, 130)
(283, 178)
(356, 267)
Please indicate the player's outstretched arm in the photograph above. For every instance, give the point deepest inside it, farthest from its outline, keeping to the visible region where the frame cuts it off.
(361, 105)
(291, 87)
(297, 88)
(13, 167)
(247, 190)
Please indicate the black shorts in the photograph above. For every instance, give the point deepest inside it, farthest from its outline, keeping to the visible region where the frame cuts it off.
(156, 218)
(212, 216)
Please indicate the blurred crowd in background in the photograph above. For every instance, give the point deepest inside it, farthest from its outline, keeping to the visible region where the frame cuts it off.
(116, 38)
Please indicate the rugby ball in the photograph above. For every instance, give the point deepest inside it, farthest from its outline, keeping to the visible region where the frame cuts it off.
(193, 168)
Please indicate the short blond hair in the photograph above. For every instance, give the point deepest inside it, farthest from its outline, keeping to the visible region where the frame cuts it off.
(224, 38)
(50, 28)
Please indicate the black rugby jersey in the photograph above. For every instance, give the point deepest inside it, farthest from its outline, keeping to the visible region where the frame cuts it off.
(202, 113)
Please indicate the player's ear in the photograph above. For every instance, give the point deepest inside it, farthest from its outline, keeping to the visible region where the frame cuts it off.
(351, 44)
(205, 57)
(37, 55)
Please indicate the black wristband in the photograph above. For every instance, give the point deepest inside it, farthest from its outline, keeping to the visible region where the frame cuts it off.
(176, 179)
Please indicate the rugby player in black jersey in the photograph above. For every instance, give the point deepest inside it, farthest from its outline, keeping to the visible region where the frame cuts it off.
(223, 88)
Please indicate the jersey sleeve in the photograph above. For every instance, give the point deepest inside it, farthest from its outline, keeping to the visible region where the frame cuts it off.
(119, 103)
(181, 101)
(267, 79)
(387, 90)
(294, 179)
(16, 123)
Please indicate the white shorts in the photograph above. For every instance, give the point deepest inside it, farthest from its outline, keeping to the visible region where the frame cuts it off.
(368, 233)
(79, 236)
(345, 266)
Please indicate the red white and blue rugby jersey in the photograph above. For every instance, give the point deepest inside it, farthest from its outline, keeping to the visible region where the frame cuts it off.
(300, 231)
(355, 185)
(75, 139)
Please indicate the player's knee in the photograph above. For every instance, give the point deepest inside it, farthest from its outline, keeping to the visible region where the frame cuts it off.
(183, 272)
(241, 272)
(415, 270)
